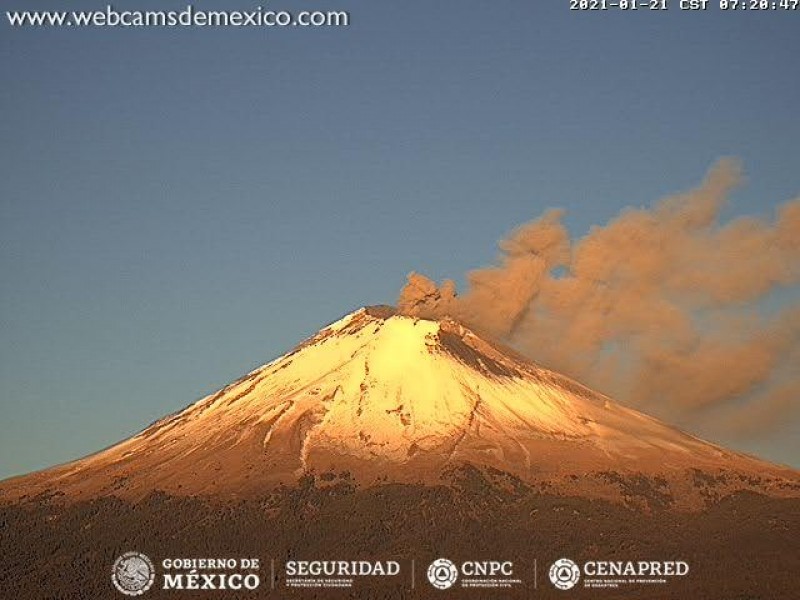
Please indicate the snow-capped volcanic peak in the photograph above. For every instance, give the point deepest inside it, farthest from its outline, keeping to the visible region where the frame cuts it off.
(376, 385)
(385, 396)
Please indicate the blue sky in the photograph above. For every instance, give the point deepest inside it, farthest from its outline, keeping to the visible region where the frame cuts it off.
(179, 206)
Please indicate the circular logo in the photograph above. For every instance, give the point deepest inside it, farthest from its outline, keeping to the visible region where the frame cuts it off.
(564, 574)
(133, 573)
(442, 573)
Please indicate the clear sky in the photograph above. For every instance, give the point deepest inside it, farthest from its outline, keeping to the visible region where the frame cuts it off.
(180, 206)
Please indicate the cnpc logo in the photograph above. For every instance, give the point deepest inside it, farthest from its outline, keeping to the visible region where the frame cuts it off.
(443, 573)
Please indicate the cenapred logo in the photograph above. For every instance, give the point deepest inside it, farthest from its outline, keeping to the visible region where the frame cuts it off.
(564, 574)
(442, 573)
(133, 573)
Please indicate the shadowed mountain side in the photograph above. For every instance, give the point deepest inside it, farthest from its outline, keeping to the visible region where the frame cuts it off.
(743, 547)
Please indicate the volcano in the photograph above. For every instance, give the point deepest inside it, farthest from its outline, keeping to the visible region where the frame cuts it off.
(387, 397)
(388, 435)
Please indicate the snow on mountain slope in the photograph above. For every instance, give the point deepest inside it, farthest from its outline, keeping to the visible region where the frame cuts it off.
(383, 396)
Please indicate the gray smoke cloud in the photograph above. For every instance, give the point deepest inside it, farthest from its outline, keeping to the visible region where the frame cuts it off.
(658, 308)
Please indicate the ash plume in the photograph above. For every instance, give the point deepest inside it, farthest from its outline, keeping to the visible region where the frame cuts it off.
(660, 308)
